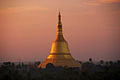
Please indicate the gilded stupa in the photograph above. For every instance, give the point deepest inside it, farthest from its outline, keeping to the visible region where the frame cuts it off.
(60, 54)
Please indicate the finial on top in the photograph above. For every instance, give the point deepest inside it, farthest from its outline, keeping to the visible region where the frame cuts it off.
(59, 13)
(59, 18)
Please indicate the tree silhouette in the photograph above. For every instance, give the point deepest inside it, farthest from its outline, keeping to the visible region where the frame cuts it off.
(50, 65)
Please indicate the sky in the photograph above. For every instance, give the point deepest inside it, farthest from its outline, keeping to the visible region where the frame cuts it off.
(28, 28)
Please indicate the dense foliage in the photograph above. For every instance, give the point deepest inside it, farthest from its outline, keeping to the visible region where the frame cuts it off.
(89, 71)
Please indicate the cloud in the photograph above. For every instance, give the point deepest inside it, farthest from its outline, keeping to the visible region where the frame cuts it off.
(100, 2)
(22, 9)
(109, 1)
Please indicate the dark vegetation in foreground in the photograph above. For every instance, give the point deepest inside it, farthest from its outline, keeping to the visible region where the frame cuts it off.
(89, 71)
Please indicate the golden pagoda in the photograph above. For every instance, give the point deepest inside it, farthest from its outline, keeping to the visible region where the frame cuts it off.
(60, 54)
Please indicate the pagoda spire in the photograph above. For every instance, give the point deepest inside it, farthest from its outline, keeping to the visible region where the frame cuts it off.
(60, 54)
(59, 36)
(59, 19)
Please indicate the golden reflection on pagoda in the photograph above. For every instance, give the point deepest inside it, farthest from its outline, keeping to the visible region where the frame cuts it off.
(60, 54)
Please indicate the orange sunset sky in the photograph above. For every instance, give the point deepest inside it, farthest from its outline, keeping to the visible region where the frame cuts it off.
(28, 28)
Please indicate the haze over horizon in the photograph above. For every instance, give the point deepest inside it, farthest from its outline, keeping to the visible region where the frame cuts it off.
(28, 28)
